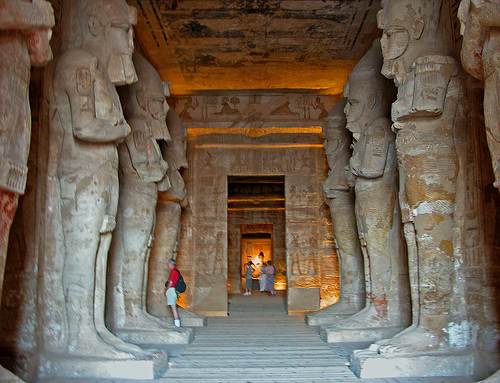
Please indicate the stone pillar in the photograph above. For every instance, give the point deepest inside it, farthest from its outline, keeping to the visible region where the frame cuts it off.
(480, 23)
(168, 225)
(428, 119)
(339, 193)
(378, 218)
(86, 125)
(25, 31)
(141, 168)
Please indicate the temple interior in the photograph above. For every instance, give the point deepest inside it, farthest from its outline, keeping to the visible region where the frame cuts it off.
(323, 174)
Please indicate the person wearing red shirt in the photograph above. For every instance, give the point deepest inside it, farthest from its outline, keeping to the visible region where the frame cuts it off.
(171, 293)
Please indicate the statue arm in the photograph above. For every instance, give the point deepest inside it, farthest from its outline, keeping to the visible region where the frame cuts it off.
(87, 126)
(26, 15)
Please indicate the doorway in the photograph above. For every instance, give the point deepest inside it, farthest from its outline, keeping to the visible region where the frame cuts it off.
(256, 224)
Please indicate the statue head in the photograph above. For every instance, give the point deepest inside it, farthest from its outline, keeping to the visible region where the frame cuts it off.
(178, 146)
(411, 29)
(368, 94)
(106, 31)
(146, 98)
(39, 46)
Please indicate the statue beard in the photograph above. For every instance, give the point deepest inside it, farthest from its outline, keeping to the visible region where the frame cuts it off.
(121, 70)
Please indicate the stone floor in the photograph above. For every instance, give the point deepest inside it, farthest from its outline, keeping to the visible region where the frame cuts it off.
(259, 343)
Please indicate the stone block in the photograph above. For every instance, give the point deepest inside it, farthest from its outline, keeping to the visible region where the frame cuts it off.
(370, 364)
(156, 338)
(334, 334)
(71, 367)
(303, 299)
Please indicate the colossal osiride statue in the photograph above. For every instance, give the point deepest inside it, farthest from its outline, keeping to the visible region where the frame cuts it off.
(25, 31)
(428, 119)
(168, 224)
(480, 27)
(86, 125)
(142, 171)
(339, 194)
(373, 162)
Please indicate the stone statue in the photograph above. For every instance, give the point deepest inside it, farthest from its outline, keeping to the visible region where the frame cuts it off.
(25, 31)
(373, 163)
(339, 194)
(142, 174)
(480, 23)
(428, 119)
(87, 123)
(168, 224)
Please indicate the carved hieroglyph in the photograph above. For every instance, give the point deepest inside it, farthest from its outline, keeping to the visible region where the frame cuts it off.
(339, 193)
(428, 119)
(25, 31)
(142, 168)
(86, 125)
(480, 23)
(378, 219)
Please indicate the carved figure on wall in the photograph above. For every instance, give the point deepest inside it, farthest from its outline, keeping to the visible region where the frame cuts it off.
(229, 107)
(142, 171)
(480, 23)
(373, 162)
(339, 194)
(191, 103)
(86, 126)
(25, 32)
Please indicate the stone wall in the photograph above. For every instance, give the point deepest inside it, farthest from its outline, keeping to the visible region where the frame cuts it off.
(311, 259)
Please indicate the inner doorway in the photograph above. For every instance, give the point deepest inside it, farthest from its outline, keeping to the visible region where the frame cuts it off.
(256, 229)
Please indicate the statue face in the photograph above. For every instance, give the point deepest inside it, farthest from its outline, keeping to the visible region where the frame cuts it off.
(39, 46)
(401, 26)
(358, 106)
(114, 23)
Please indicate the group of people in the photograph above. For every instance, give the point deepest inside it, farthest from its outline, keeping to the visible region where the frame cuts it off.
(266, 278)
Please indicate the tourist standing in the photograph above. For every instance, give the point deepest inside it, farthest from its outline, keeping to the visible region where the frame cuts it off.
(271, 270)
(263, 278)
(173, 279)
(249, 269)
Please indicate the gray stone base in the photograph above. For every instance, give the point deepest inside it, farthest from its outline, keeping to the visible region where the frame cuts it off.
(326, 317)
(8, 377)
(333, 334)
(71, 367)
(370, 364)
(156, 338)
(188, 319)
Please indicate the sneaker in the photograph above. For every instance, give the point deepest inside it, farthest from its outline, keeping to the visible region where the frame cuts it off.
(177, 323)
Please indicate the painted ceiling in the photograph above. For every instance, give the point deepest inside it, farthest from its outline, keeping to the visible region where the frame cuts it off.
(200, 45)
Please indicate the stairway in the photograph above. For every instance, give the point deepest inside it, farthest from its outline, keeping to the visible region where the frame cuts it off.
(259, 343)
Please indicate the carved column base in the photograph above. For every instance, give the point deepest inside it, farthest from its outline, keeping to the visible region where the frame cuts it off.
(188, 319)
(495, 378)
(8, 377)
(53, 367)
(336, 312)
(371, 364)
(336, 334)
(156, 338)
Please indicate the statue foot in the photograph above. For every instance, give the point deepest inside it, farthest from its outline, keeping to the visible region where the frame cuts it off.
(119, 344)
(385, 342)
(415, 340)
(144, 321)
(90, 344)
(366, 318)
